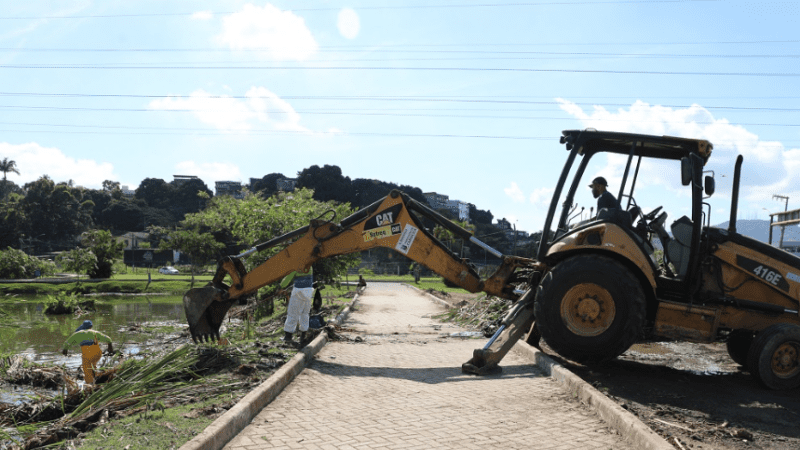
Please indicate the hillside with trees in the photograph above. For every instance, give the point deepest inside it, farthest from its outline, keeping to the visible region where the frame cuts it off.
(50, 216)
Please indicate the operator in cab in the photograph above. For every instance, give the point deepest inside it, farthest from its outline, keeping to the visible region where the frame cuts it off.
(604, 198)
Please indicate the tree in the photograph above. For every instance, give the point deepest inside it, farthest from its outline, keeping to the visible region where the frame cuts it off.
(110, 186)
(57, 212)
(105, 248)
(327, 182)
(254, 219)
(185, 198)
(156, 192)
(8, 165)
(199, 246)
(267, 185)
(479, 215)
(78, 260)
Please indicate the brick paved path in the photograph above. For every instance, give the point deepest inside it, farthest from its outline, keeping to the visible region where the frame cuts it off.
(402, 388)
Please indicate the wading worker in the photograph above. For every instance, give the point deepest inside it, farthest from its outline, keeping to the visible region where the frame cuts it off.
(299, 307)
(604, 198)
(89, 341)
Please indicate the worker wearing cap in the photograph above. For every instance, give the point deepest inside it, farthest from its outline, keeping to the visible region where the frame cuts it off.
(89, 341)
(604, 198)
(299, 307)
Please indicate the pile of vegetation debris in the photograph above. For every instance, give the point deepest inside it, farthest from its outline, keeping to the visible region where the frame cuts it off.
(484, 312)
(181, 376)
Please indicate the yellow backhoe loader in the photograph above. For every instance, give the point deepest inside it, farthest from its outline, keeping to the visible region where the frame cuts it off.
(595, 287)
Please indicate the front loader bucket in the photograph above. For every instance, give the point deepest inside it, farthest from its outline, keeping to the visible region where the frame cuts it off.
(205, 310)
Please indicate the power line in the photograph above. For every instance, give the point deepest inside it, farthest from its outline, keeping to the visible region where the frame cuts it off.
(439, 6)
(410, 98)
(380, 98)
(382, 50)
(374, 68)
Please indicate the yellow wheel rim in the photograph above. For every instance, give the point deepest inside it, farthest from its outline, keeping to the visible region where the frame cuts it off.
(588, 309)
(786, 360)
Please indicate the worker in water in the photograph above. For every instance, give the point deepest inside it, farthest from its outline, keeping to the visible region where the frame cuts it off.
(89, 341)
(299, 307)
(604, 198)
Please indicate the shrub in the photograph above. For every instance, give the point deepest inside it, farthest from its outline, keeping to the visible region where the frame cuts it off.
(16, 264)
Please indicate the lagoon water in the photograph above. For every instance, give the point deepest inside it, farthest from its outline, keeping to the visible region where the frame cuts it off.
(26, 330)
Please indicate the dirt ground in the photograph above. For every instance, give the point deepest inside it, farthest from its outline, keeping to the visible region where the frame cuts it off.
(693, 395)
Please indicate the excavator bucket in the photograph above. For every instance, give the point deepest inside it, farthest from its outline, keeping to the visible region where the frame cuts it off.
(205, 310)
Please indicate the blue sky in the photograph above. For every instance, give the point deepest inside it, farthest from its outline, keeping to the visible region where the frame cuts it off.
(462, 97)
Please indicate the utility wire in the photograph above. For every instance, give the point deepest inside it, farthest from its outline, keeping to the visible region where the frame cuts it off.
(381, 51)
(439, 6)
(410, 98)
(382, 99)
(374, 68)
(346, 113)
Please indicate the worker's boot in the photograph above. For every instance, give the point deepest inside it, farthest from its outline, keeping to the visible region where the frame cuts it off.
(287, 337)
(303, 341)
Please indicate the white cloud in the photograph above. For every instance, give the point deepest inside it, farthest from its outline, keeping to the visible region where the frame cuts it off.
(222, 112)
(542, 196)
(515, 193)
(269, 108)
(348, 23)
(33, 161)
(282, 35)
(202, 15)
(231, 114)
(210, 172)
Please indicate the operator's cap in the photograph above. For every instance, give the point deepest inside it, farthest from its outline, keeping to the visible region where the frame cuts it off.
(86, 325)
(599, 180)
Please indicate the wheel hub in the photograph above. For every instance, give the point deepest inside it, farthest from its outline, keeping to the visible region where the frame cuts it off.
(786, 360)
(588, 309)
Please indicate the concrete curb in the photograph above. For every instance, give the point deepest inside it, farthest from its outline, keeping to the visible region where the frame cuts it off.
(228, 425)
(629, 426)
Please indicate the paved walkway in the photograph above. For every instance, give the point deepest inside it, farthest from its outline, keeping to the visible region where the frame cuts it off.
(402, 388)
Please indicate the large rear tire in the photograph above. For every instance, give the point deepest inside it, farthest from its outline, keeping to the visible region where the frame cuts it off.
(774, 357)
(590, 308)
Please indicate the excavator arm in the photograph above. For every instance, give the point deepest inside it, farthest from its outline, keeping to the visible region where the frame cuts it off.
(393, 223)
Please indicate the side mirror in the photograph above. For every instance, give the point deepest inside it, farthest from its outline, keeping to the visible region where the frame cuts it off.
(709, 185)
(686, 171)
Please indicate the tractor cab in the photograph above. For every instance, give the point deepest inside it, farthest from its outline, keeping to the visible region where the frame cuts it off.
(628, 232)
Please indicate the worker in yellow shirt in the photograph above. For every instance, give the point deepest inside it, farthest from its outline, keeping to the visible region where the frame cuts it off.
(89, 341)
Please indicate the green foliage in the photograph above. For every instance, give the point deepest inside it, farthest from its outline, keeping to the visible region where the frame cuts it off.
(8, 165)
(16, 264)
(78, 260)
(254, 219)
(61, 303)
(105, 248)
(199, 246)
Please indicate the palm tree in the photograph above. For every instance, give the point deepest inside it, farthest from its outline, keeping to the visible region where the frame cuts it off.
(7, 165)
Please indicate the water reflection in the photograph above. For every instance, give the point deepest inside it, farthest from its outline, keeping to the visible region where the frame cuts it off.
(28, 331)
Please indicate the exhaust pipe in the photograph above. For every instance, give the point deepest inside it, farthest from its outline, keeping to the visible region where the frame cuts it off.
(737, 172)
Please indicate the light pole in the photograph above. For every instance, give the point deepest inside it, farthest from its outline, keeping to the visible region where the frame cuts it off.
(786, 208)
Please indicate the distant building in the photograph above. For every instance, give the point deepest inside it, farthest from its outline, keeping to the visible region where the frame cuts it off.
(436, 201)
(232, 188)
(440, 201)
(503, 224)
(285, 184)
(180, 179)
(127, 191)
